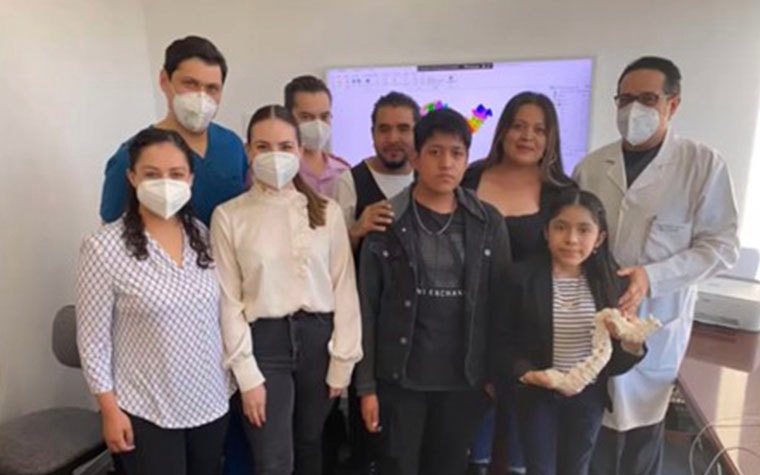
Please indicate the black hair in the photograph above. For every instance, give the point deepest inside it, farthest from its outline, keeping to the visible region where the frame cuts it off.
(446, 121)
(550, 164)
(396, 99)
(663, 65)
(193, 47)
(600, 268)
(305, 83)
(134, 227)
(316, 205)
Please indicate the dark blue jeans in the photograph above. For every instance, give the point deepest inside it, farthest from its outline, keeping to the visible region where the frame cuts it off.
(500, 426)
(482, 447)
(558, 432)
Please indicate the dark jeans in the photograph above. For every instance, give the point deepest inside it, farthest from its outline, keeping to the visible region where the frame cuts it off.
(159, 451)
(291, 353)
(237, 453)
(427, 432)
(482, 446)
(558, 432)
(638, 451)
(498, 439)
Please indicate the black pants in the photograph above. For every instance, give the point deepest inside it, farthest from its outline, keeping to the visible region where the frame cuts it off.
(237, 454)
(427, 432)
(158, 451)
(559, 433)
(292, 354)
(638, 451)
(333, 437)
(365, 446)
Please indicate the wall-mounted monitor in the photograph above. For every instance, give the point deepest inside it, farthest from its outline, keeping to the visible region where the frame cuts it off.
(477, 90)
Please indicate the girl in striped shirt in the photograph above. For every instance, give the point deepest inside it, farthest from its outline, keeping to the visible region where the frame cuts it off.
(554, 298)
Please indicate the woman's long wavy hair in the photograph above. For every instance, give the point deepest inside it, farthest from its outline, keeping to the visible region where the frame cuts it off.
(316, 204)
(134, 228)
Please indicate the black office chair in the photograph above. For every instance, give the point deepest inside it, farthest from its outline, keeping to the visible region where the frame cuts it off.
(59, 440)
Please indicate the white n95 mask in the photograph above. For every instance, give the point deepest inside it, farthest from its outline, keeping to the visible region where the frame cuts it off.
(637, 123)
(194, 110)
(276, 169)
(315, 134)
(164, 196)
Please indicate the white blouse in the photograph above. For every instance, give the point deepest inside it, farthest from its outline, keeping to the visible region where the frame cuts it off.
(272, 264)
(150, 331)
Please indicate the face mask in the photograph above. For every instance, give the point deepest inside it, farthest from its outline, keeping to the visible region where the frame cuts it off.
(164, 196)
(194, 110)
(637, 123)
(315, 134)
(276, 169)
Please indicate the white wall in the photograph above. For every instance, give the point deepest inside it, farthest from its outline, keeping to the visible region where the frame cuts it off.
(75, 80)
(267, 42)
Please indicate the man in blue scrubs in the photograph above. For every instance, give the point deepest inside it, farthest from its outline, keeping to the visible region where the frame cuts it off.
(192, 80)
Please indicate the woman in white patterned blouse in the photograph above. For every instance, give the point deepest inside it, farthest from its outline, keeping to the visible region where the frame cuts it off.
(148, 325)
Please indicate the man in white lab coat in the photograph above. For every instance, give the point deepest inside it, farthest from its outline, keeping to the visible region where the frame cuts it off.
(673, 223)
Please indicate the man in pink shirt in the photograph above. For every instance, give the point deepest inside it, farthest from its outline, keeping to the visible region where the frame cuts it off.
(309, 99)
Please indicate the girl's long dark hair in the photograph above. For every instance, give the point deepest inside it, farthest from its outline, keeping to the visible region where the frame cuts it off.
(134, 227)
(551, 163)
(600, 268)
(316, 204)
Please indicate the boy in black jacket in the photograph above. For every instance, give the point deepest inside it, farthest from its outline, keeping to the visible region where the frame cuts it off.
(430, 295)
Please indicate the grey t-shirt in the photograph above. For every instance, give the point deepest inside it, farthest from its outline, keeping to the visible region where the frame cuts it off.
(437, 355)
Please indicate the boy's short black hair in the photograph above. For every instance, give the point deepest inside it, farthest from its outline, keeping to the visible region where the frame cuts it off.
(193, 47)
(446, 121)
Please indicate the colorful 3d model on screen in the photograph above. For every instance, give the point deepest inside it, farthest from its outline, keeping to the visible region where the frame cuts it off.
(433, 106)
(479, 114)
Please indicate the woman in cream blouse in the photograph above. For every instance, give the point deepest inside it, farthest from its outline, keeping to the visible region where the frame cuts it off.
(290, 310)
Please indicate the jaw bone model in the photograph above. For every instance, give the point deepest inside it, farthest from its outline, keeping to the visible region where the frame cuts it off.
(633, 331)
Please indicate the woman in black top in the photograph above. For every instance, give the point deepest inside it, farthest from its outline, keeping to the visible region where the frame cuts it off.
(521, 176)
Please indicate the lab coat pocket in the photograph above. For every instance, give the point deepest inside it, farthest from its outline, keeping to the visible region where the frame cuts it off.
(665, 239)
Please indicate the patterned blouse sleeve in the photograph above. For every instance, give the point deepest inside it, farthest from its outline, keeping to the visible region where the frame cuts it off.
(94, 310)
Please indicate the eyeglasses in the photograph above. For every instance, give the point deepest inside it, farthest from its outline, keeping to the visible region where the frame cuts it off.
(649, 99)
